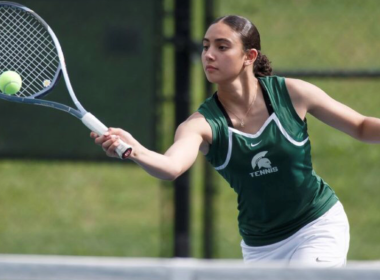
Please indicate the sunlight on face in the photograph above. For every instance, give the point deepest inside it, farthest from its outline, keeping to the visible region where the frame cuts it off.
(223, 56)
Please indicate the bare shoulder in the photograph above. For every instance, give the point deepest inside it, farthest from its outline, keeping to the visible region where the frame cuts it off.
(299, 88)
(302, 93)
(196, 123)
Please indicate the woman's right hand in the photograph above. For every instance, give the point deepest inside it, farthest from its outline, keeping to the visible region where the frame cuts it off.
(111, 139)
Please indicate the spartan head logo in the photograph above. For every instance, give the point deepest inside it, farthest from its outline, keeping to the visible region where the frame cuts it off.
(260, 161)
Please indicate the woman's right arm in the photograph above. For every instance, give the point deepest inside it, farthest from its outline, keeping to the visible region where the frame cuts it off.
(191, 136)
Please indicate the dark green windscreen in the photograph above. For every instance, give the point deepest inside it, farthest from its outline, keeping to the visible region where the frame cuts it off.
(111, 50)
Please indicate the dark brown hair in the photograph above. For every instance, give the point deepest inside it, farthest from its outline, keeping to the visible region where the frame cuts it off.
(250, 38)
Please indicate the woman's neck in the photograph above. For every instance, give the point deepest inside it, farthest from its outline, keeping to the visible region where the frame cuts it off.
(238, 93)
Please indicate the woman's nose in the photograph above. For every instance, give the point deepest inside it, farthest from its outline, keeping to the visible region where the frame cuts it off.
(209, 55)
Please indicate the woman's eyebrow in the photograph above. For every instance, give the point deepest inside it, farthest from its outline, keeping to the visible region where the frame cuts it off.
(217, 40)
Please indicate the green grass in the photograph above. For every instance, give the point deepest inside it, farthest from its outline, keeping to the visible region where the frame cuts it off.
(307, 34)
(73, 208)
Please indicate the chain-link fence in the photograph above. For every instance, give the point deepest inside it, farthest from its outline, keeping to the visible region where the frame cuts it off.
(109, 209)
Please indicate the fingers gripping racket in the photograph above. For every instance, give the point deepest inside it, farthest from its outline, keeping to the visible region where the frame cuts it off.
(29, 47)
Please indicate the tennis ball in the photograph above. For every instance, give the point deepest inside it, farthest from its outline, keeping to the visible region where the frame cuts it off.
(10, 82)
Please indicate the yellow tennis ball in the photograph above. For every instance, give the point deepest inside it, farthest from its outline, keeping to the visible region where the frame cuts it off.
(10, 82)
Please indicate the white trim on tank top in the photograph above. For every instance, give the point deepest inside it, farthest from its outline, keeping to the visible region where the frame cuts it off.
(256, 135)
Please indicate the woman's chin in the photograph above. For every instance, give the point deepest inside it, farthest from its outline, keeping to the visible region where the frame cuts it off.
(211, 79)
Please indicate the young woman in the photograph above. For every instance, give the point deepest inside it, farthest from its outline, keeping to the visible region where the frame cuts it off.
(253, 131)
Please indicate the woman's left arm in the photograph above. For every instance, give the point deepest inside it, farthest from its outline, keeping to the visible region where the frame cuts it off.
(308, 98)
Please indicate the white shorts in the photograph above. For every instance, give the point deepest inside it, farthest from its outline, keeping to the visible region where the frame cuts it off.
(321, 243)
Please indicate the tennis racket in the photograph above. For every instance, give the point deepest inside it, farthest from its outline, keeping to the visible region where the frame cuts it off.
(29, 47)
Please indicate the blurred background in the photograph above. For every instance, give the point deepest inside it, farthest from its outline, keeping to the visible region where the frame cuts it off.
(136, 65)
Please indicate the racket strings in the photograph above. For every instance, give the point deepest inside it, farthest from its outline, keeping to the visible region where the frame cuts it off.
(26, 43)
(28, 49)
(17, 58)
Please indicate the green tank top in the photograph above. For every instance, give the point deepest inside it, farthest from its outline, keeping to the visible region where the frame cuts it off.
(271, 171)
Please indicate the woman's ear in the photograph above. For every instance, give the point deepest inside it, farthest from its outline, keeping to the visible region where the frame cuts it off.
(251, 56)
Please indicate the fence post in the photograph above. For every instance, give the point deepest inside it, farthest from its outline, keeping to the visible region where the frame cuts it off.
(208, 194)
(182, 102)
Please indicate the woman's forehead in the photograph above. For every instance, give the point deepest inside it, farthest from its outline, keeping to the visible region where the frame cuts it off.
(219, 31)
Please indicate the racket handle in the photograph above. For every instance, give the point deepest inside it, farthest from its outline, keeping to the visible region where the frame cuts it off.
(89, 120)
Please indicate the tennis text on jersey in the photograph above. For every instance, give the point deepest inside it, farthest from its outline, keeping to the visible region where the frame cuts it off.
(263, 165)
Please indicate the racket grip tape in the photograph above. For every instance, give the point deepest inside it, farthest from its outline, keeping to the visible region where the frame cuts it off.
(89, 120)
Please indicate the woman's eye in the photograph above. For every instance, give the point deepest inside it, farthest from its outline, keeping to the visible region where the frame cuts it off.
(223, 48)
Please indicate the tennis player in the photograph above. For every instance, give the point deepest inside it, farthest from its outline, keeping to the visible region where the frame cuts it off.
(253, 131)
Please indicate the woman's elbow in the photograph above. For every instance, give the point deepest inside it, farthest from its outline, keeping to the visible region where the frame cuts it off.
(173, 174)
(368, 130)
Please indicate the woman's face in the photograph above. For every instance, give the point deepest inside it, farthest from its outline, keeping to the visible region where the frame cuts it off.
(223, 56)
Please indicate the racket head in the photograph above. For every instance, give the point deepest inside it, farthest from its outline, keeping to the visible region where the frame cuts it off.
(30, 48)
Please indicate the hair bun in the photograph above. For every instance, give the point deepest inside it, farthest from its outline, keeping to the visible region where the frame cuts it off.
(262, 66)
